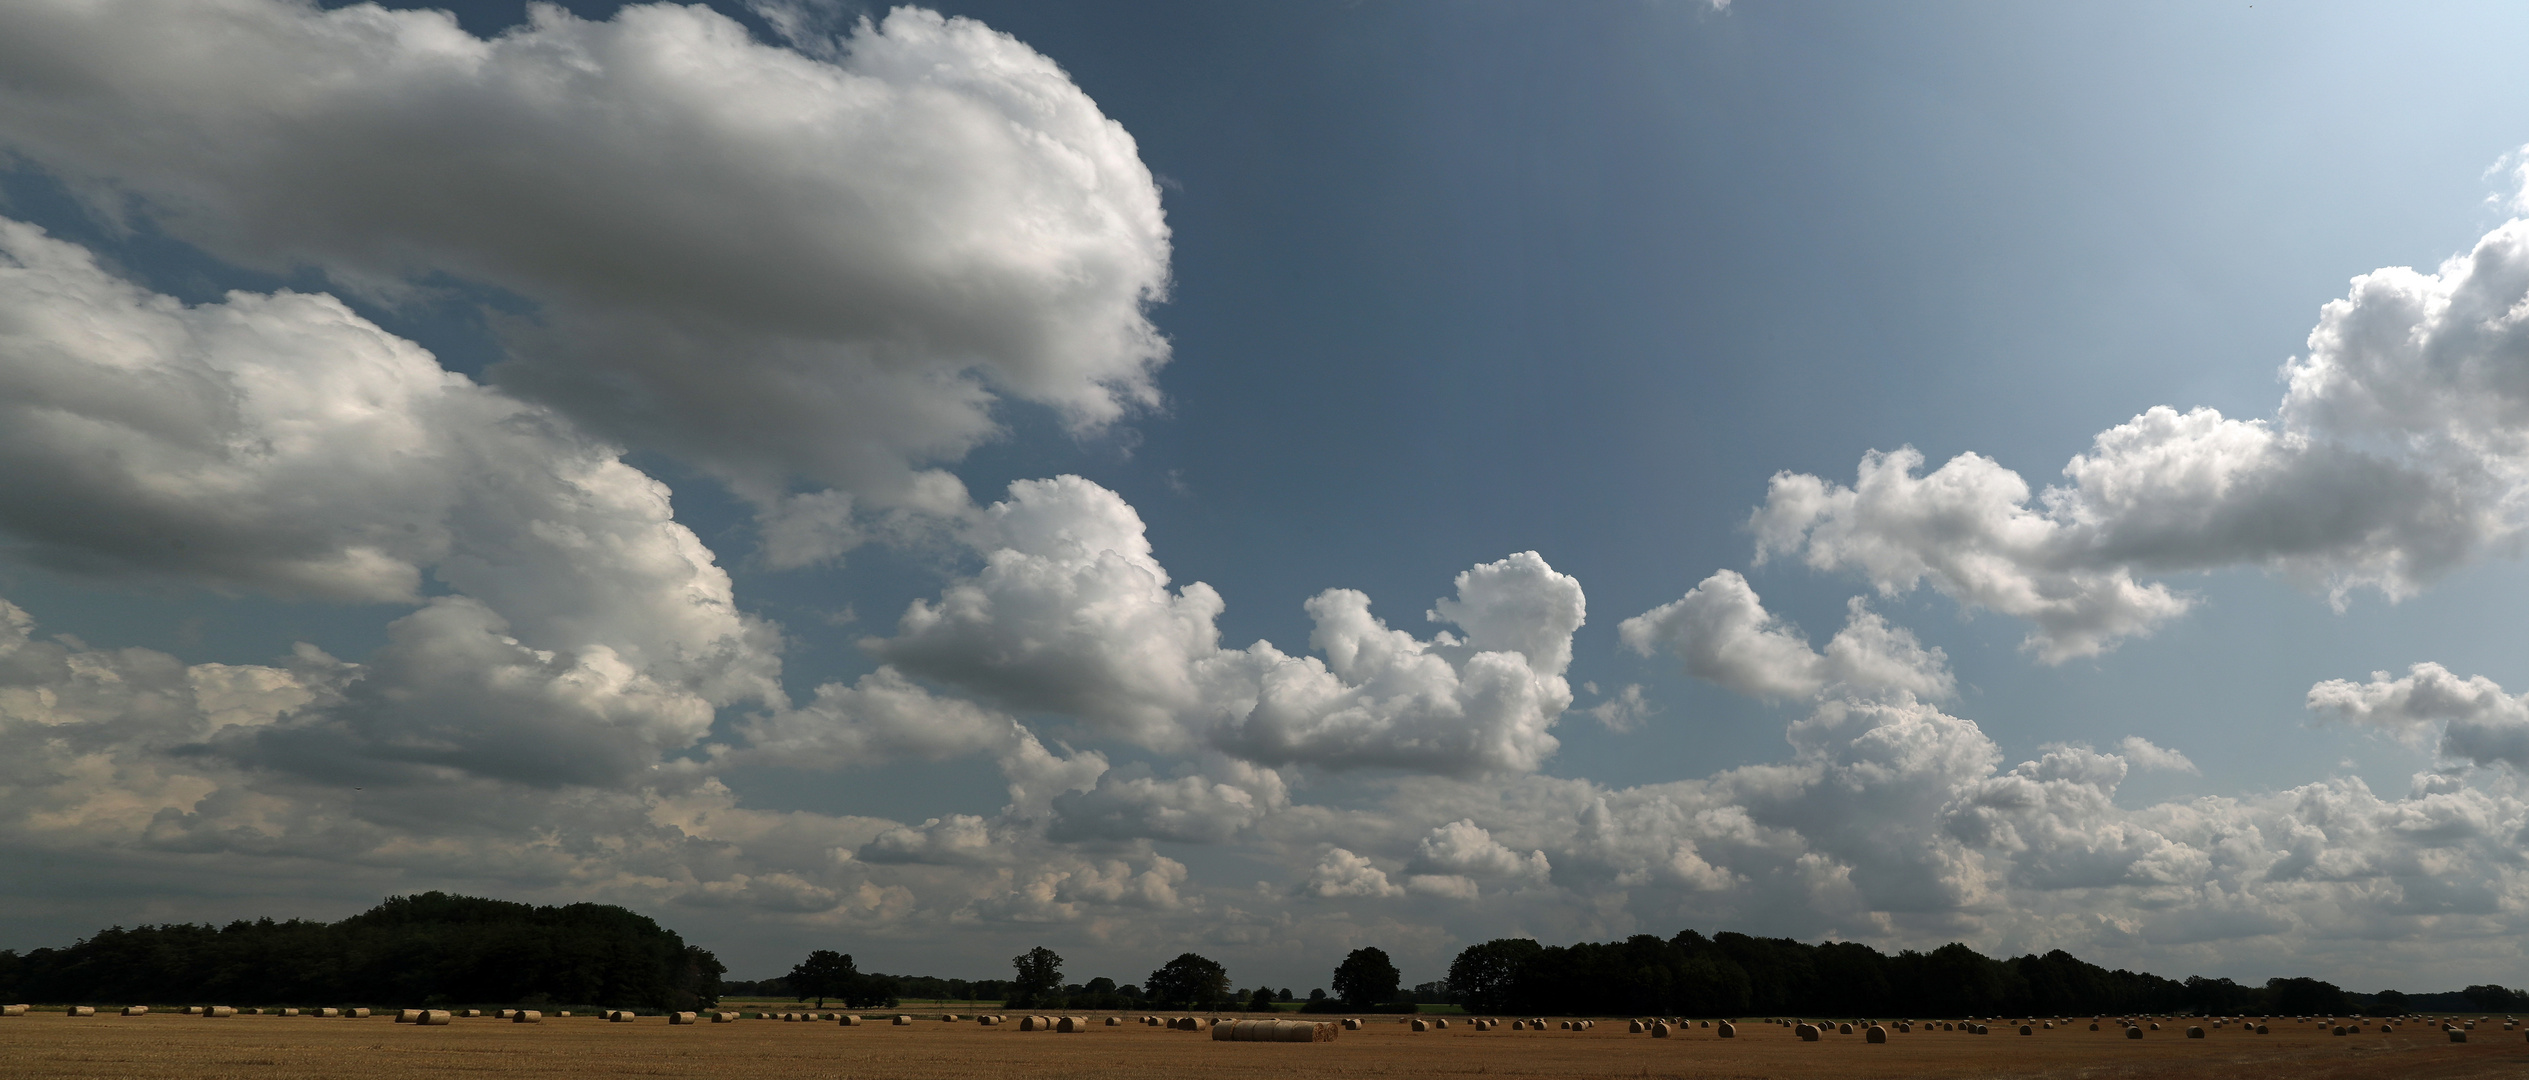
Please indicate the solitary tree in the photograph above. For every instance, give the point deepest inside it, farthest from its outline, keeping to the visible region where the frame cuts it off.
(1262, 1001)
(824, 974)
(1188, 980)
(1365, 978)
(1040, 975)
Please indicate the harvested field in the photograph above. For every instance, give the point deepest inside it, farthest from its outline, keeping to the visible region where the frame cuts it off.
(46, 1044)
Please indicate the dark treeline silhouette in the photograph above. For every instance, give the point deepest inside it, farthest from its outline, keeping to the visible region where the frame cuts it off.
(411, 950)
(1732, 974)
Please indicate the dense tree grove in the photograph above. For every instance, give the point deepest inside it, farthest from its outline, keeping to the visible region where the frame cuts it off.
(410, 950)
(1733, 974)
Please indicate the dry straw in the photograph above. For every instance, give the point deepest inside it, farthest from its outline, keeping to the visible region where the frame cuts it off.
(219, 1010)
(435, 1018)
(81, 1010)
(135, 1010)
(525, 1016)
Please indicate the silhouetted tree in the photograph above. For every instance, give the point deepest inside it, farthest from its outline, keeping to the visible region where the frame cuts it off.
(1040, 975)
(1366, 977)
(1486, 977)
(824, 974)
(1188, 980)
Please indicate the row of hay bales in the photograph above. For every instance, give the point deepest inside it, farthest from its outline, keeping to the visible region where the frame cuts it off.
(1273, 1031)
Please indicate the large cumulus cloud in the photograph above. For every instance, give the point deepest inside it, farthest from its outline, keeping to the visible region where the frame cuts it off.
(778, 266)
(2396, 456)
(281, 444)
(1072, 615)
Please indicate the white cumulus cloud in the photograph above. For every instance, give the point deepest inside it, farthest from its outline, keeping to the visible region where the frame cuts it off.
(776, 265)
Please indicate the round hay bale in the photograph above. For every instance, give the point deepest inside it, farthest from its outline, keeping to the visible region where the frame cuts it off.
(1072, 1025)
(14, 1010)
(2094, 1027)
(1352, 1023)
(1225, 1032)
(2027, 1030)
(1659, 1031)
(80, 1010)
(1636, 1029)
(531, 1016)
(2195, 1032)
(848, 1020)
(135, 1010)
(1443, 1022)
(471, 1014)
(2132, 1032)
(1421, 1026)
(1806, 1032)
(1726, 1030)
(2155, 1025)
(2458, 1035)
(679, 1019)
(1027, 1023)
(1875, 1033)
(1115, 1021)
(407, 1016)
(434, 1018)
(219, 1010)
(328, 1013)
(724, 1018)
(903, 1021)
(289, 1012)
(1843, 1029)
(986, 1021)
(2261, 1029)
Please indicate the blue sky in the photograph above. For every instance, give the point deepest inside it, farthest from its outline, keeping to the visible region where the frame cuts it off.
(1438, 285)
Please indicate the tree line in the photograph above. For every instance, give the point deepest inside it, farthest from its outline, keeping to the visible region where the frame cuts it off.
(436, 948)
(428, 949)
(1730, 974)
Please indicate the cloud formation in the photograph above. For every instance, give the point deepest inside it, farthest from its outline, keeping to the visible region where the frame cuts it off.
(2396, 456)
(2480, 724)
(776, 266)
(281, 444)
(1723, 633)
(1072, 615)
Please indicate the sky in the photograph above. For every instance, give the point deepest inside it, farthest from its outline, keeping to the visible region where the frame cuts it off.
(1270, 479)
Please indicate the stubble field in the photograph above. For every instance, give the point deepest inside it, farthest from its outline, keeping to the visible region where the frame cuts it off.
(48, 1045)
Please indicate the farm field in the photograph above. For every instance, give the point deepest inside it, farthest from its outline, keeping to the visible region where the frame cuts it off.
(50, 1045)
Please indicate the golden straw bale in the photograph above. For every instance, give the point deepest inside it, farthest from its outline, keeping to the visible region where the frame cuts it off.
(525, 1016)
(219, 1010)
(135, 1010)
(80, 1010)
(680, 1019)
(434, 1018)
